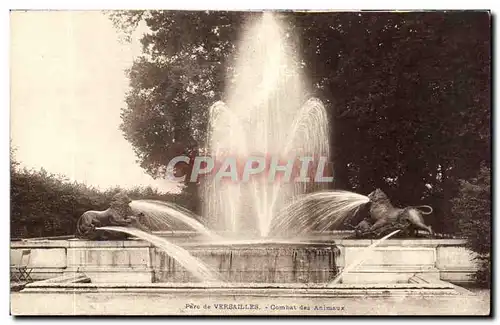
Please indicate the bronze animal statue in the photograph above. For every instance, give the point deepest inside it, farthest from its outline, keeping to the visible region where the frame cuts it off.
(118, 214)
(383, 213)
(362, 228)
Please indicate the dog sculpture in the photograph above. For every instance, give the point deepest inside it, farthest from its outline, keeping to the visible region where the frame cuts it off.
(118, 214)
(383, 213)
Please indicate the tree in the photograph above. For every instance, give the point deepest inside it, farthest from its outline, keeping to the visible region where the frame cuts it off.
(180, 74)
(410, 92)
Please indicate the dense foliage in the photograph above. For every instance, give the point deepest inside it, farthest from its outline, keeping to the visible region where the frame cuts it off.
(44, 204)
(408, 94)
(472, 210)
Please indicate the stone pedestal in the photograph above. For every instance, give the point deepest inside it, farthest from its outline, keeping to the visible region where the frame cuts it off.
(46, 258)
(111, 261)
(389, 264)
(397, 260)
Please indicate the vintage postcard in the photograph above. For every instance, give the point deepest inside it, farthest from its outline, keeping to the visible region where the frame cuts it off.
(250, 163)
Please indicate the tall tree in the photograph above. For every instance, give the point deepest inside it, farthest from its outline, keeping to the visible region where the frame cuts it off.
(180, 74)
(410, 94)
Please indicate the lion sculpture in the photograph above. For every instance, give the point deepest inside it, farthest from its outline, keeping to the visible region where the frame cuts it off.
(118, 214)
(384, 217)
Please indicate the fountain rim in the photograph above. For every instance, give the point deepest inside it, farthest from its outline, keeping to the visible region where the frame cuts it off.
(172, 286)
(235, 244)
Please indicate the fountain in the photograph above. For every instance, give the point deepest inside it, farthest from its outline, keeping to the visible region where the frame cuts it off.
(266, 115)
(265, 236)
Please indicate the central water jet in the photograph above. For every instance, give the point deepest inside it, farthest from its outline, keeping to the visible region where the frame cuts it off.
(267, 112)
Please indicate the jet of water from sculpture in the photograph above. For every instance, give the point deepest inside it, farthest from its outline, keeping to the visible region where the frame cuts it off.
(319, 211)
(164, 215)
(267, 113)
(196, 267)
(362, 257)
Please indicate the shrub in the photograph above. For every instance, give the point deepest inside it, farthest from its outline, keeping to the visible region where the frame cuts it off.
(45, 204)
(472, 207)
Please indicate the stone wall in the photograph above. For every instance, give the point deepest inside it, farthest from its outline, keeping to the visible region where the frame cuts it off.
(269, 264)
(133, 260)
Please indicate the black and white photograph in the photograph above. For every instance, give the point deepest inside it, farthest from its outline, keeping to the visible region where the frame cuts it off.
(250, 162)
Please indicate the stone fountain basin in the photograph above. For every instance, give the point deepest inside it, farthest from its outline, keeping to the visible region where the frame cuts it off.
(403, 277)
(136, 261)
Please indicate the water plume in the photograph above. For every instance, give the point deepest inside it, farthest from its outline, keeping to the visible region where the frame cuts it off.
(164, 215)
(319, 211)
(362, 257)
(193, 265)
(267, 113)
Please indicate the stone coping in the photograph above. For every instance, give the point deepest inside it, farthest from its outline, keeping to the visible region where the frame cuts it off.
(136, 243)
(244, 285)
(45, 243)
(403, 242)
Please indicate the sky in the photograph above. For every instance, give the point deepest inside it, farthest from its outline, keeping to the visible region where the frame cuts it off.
(68, 85)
